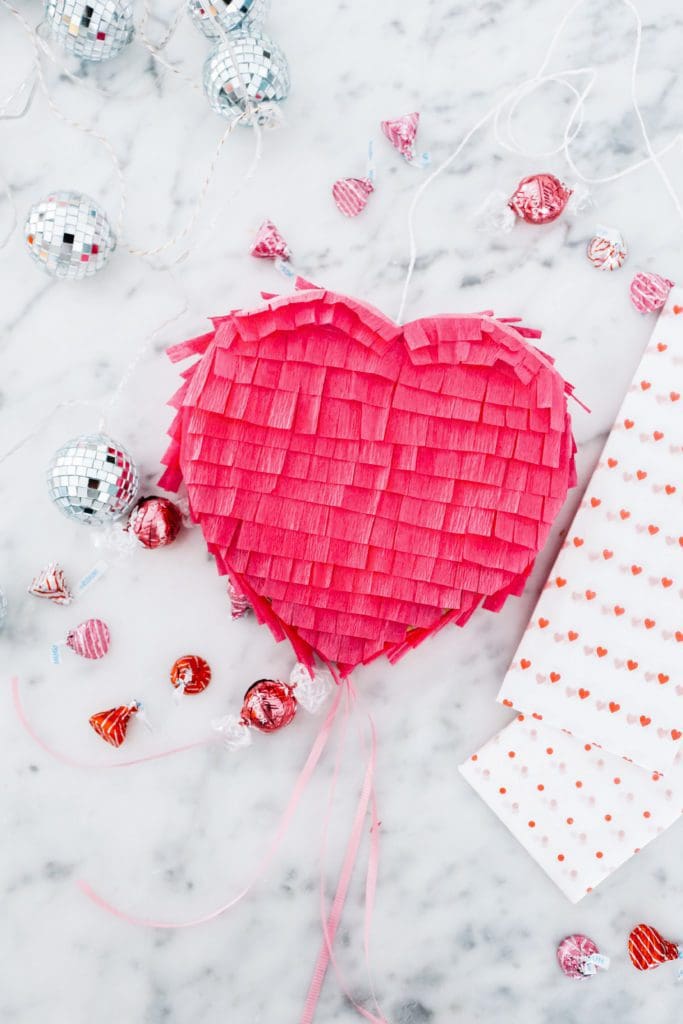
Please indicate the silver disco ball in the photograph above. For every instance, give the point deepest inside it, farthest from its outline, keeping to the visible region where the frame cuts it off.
(225, 15)
(248, 70)
(93, 479)
(96, 30)
(68, 235)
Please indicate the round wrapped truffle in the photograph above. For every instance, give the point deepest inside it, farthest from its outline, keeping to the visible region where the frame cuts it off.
(156, 522)
(268, 705)
(540, 198)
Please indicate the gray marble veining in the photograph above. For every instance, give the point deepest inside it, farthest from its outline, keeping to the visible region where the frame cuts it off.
(465, 925)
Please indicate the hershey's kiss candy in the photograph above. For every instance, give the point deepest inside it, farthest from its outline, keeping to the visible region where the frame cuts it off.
(92, 479)
(68, 235)
(91, 29)
(50, 583)
(246, 74)
(579, 957)
(648, 949)
(112, 725)
(155, 522)
(268, 705)
(191, 674)
(607, 249)
(90, 639)
(214, 17)
(539, 199)
(649, 291)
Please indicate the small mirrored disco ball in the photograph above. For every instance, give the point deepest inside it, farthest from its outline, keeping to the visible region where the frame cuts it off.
(93, 479)
(210, 17)
(69, 235)
(94, 30)
(3, 609)
(263, 75)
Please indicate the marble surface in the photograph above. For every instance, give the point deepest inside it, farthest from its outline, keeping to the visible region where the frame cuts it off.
(465, 924)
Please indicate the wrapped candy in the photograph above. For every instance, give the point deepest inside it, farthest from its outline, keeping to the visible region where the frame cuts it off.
(239, 605)
(579, 957)
(351, 195)
(269, 243)
(606, 249)
(51, 584)
(90, 639)
(649, 292)
(112, 725)
(648, 949)
(401, 133)
(156, 522)
(190, 674)
(539, 199)
(270, 704)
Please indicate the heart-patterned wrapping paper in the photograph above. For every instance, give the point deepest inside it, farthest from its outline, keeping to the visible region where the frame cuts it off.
(603, 653)
(365, 483)
(591, 769)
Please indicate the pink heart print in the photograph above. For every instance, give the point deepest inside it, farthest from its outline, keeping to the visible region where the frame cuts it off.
(366, 483)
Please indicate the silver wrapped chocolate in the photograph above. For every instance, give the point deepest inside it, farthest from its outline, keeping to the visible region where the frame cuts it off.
(93, 30)
(225, 15)
(246, 73)
(68, 235)
(93, 479)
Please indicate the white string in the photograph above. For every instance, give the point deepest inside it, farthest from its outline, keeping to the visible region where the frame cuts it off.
(510, 103)
(39, 45)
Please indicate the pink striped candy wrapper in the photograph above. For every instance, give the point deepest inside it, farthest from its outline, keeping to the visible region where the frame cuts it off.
(401, 134)
(269, 243)
(351, 195)
(90, 639)
(365, 483)
(649, 292)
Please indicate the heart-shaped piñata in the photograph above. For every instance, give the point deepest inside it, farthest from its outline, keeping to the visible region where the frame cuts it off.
(365, 483)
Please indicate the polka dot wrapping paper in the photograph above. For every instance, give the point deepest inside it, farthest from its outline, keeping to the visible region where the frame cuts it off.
(591, 770)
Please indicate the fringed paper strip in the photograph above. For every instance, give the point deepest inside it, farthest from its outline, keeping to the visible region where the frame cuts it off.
(365, 483)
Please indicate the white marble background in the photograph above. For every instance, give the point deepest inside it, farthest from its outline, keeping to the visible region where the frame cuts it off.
(466, 925)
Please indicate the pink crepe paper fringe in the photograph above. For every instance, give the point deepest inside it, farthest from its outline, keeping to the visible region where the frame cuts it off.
(366, 483)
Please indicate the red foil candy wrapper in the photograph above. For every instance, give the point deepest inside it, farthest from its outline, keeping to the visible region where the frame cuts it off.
(90, 639)
(51, 584)
(269, 243)
(155, 522)
(648, 949)
(268, 705)
(112, 725)
(191, 673)
(540, 198)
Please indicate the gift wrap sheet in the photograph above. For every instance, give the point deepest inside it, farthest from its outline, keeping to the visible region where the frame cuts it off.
(590, 769)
